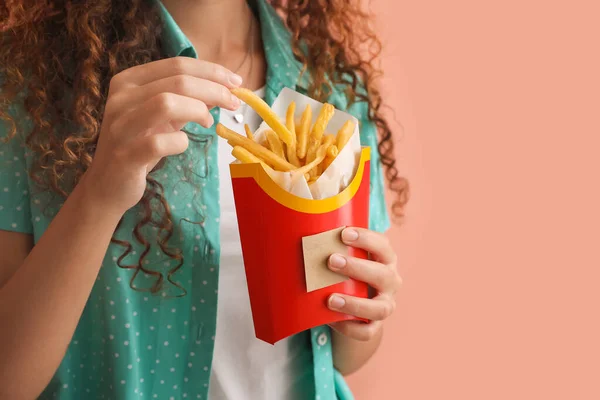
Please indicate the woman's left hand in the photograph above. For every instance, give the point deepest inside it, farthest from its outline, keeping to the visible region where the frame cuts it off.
(380, 272)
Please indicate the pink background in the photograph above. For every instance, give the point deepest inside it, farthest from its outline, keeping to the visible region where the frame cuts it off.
(500, 101)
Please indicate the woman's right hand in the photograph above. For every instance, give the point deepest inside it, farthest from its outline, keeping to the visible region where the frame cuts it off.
(147, 106)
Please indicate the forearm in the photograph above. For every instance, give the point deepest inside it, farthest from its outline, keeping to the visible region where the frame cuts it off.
(349, 355)
(42, 302)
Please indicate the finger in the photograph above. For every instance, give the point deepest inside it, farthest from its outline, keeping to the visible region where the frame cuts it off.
(358, 330)
(161, 109)
(146, 73)
(375, 309)
(209, 92)
(380, 276)
(151, 148)
(375, 243)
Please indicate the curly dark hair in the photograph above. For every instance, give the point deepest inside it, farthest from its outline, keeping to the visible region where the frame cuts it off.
(40, 37)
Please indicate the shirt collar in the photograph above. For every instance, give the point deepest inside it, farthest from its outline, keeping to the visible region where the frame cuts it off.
(276, 38)
(278, 49)
(174, 41)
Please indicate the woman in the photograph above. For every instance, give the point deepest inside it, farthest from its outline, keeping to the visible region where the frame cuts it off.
(111, 166)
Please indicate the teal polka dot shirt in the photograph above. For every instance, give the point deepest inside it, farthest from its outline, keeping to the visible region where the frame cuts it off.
(134, 345)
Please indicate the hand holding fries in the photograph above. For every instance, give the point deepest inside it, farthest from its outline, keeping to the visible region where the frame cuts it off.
(290, 145)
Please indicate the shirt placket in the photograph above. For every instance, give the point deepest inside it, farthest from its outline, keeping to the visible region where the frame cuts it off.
(205, 266)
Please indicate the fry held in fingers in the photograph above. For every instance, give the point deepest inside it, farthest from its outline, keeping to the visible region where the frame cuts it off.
(265, 112)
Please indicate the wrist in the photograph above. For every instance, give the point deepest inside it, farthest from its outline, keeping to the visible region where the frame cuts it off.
(350, 354)
(92, 204)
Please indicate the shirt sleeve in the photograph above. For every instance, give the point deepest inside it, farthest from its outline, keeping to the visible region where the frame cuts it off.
(379, 219)
(15, 209)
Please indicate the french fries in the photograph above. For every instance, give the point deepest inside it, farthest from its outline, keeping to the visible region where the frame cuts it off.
(268, 156)
(249, 133)
(344, 134)
(289, 117)
(332, 153)
(265, 112)
(275, 143)
(311, 153)
(291, 149)
(302, 132)
(246, 157)
(322, 120)
(292, 156)
(299, 148)
(327, 141)
(316, 135)
(319, 157)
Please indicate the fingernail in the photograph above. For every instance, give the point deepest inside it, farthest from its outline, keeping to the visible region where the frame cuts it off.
(336, 302)
(235, 79)
(349, 235)
(336, 261)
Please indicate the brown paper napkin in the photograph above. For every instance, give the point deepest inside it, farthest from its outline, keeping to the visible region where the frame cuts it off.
(317, 249)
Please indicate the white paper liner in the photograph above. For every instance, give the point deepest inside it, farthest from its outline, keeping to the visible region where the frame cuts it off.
(341, 171)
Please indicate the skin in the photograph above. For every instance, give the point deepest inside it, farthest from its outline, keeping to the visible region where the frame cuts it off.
(355, 342)
(146, 107)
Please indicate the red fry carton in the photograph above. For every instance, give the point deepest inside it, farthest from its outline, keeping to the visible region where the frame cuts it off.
(288, 229)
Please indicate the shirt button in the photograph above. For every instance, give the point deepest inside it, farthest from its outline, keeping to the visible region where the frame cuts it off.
(322, 339)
